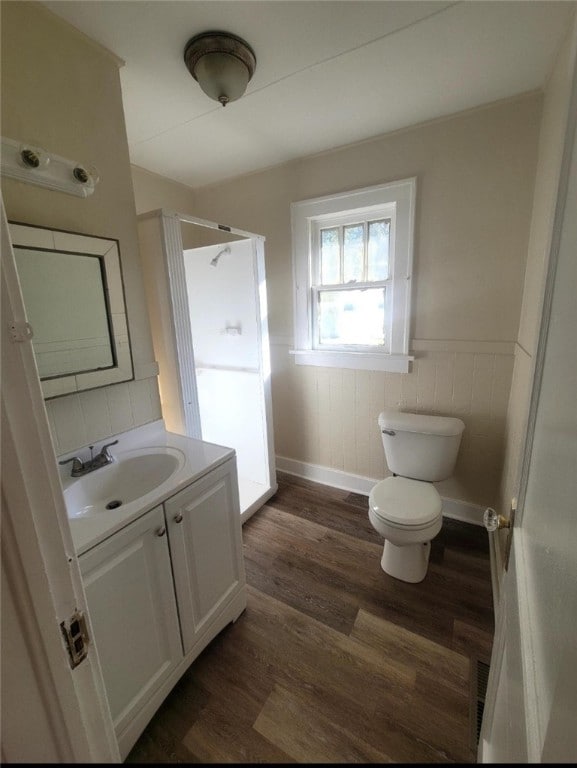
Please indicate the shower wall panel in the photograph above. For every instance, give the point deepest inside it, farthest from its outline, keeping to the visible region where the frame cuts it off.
(231, 413)
(223, 308)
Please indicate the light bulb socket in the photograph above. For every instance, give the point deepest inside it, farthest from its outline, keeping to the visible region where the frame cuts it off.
(81, 175)
(32, 157)
(85, 175)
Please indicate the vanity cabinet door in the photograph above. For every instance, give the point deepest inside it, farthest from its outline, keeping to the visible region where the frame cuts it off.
(132, 607)
(206, 547)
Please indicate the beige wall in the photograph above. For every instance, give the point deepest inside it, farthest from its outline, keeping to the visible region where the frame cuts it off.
(475, 176)
(555, 112)
(155, 192)
(62, 92)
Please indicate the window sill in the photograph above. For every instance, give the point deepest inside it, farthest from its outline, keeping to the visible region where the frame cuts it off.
(363, 361)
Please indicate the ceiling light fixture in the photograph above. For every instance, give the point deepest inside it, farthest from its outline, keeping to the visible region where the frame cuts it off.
(221, 63)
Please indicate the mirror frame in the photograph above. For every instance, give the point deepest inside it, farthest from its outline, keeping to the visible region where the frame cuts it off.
(107, 249)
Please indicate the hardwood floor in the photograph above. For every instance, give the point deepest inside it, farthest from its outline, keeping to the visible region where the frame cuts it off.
(333, 660)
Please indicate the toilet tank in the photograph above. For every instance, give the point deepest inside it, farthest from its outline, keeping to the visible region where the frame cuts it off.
(419, 446)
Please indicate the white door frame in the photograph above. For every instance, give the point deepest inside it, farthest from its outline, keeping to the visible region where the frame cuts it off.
(40, 569)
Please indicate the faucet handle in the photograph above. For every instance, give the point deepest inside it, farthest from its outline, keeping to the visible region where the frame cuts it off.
(72, 458)
(77, 464)
(104, 449)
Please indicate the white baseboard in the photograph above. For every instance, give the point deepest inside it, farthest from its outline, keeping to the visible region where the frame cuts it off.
(347, 481)
(463, 510)
(325, 475)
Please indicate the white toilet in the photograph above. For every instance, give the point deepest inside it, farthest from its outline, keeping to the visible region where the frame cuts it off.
(406, 509)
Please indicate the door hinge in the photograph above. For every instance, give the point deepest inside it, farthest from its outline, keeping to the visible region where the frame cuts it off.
(76, 638)
(20, 331)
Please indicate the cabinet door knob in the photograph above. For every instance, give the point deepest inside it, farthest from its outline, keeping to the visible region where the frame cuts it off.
(178, 517)
(161, 531)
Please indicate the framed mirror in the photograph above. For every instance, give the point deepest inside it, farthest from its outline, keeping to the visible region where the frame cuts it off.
(74, 299)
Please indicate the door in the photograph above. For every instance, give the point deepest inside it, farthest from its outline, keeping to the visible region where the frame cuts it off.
(206, 547)
(531, 710)
(130, 594)
(51, 712)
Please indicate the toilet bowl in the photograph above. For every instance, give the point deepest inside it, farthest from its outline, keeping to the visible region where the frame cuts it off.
(406, 509)
(408, 515)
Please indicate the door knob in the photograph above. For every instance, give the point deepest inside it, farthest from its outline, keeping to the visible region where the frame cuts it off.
(493, 521)
(178, 517)
(161, 531)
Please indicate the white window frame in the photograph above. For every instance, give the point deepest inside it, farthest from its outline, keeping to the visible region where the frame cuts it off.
(396, 201)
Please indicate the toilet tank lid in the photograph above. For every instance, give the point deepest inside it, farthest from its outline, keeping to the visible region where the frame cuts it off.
(420, 422)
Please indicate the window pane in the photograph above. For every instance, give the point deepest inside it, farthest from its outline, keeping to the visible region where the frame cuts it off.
(378, 256)
(353, 253)
(330, 257)
(351, 317)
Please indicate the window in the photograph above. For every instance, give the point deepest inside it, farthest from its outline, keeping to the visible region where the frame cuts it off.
(352, 257)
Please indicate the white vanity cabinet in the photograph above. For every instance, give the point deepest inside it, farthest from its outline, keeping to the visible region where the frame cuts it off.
(160, 589)
(130, 597)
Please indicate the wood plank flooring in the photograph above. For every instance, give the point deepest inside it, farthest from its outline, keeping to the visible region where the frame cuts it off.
(333, 660)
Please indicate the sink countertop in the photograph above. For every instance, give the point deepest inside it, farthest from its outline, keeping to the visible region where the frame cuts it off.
(200, 458)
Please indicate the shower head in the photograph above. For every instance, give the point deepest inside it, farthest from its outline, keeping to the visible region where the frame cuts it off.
(214, 261)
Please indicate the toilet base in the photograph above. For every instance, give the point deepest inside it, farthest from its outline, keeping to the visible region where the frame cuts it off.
(407, 563)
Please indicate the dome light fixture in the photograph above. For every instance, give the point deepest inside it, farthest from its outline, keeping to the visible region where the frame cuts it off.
(221, 63)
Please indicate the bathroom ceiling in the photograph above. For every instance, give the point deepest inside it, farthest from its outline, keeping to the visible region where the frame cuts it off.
(328, 73)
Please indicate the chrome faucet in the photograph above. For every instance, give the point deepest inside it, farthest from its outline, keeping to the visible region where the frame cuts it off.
(80, 467)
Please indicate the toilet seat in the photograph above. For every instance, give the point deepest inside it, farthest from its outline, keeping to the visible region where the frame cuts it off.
(406, 503)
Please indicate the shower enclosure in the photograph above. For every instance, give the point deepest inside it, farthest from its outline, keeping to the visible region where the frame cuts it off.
(206, 293)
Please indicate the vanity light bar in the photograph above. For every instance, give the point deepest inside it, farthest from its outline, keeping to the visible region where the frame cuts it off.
(34, 165)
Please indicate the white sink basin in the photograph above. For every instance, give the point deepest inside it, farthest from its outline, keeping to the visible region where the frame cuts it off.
(132, 475)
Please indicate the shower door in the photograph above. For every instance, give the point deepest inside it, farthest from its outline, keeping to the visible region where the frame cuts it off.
(207, 306)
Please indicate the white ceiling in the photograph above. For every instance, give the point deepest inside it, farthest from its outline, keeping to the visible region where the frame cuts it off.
(328, 73)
